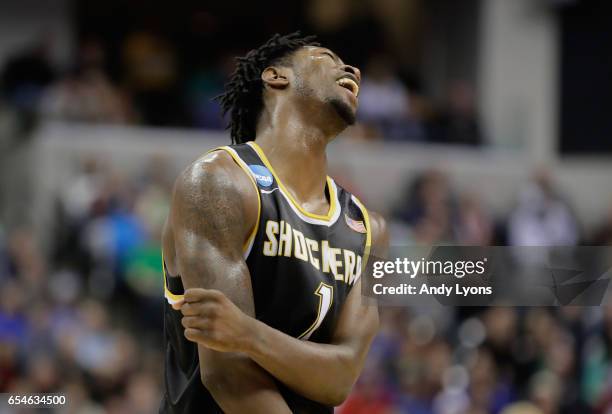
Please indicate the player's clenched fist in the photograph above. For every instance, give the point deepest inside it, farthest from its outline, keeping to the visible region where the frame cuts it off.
(212, 320)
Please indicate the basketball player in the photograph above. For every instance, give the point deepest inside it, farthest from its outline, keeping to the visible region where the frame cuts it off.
(263, 251)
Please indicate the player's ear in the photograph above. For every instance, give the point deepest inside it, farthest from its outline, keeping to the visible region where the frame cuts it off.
(275, 77)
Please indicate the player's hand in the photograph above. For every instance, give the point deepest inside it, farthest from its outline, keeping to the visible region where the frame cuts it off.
(212, 320)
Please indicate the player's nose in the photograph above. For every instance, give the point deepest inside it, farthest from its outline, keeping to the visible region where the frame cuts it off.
(353, 70)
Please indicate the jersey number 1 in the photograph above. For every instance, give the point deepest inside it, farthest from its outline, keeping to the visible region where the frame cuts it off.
(325, 293)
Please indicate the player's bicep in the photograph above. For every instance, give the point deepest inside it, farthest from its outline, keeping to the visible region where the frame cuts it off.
(209, 228)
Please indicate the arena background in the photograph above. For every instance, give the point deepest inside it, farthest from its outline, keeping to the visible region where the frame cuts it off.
(482, 122)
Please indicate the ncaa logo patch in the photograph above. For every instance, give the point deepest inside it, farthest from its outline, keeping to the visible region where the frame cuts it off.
(263, 176)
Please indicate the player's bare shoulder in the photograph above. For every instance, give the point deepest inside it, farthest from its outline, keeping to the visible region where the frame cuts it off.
(215, 179)
(214, 198)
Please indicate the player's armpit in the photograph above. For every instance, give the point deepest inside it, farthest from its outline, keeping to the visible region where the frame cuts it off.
(324, 372)
(210, 202)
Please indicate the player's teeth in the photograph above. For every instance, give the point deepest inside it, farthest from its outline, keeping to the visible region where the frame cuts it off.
(353, 85)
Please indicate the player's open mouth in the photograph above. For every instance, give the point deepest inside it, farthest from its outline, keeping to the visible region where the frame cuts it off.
(350, 84)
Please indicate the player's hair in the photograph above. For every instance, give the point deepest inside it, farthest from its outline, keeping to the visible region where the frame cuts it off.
(243, 98)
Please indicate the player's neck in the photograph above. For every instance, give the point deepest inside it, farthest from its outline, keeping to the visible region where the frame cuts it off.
(296, 150)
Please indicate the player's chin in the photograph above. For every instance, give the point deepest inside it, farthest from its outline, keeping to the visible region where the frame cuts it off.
(347, 111)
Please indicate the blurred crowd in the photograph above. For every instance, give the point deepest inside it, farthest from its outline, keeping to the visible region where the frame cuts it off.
(498, 360)
(485, 360)
(152, 87)
(84, 317)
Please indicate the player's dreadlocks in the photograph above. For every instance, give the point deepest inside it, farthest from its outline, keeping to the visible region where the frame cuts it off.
(243, 93)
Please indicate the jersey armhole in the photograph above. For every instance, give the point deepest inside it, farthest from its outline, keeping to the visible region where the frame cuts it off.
(172, 298)
(248, 245)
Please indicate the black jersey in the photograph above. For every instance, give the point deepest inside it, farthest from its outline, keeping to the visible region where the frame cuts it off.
(302, 268)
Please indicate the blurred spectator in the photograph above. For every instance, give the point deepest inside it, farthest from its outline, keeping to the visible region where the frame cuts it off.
(421, 369)
(597, 376)
(142, 394)
(152, 204)
(384, 102)
(75, 205)
(141, 264)
(77, 197)
(457, 123)
(86, 94)
(26, 260)
(429, 210)
(542, 217)
(13, 324)
(80, 403)
(546, 392)
(489, 391)
(202, 87)
(370, 396)
(150, 74)
(501, 327)
(603, 234)
(24, 77)
(521, 408)
(473, 226)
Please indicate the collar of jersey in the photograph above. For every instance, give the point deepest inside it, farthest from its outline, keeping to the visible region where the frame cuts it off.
(333, 198)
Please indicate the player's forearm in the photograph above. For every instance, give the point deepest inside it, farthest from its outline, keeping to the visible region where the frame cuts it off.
(236, 383)
(321, 372)
(237, 399)
(239, 388)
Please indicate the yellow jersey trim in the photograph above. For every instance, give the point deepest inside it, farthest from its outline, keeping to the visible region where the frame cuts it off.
(245, 168)
(332, 192)
(366, 218)
(171, 297)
